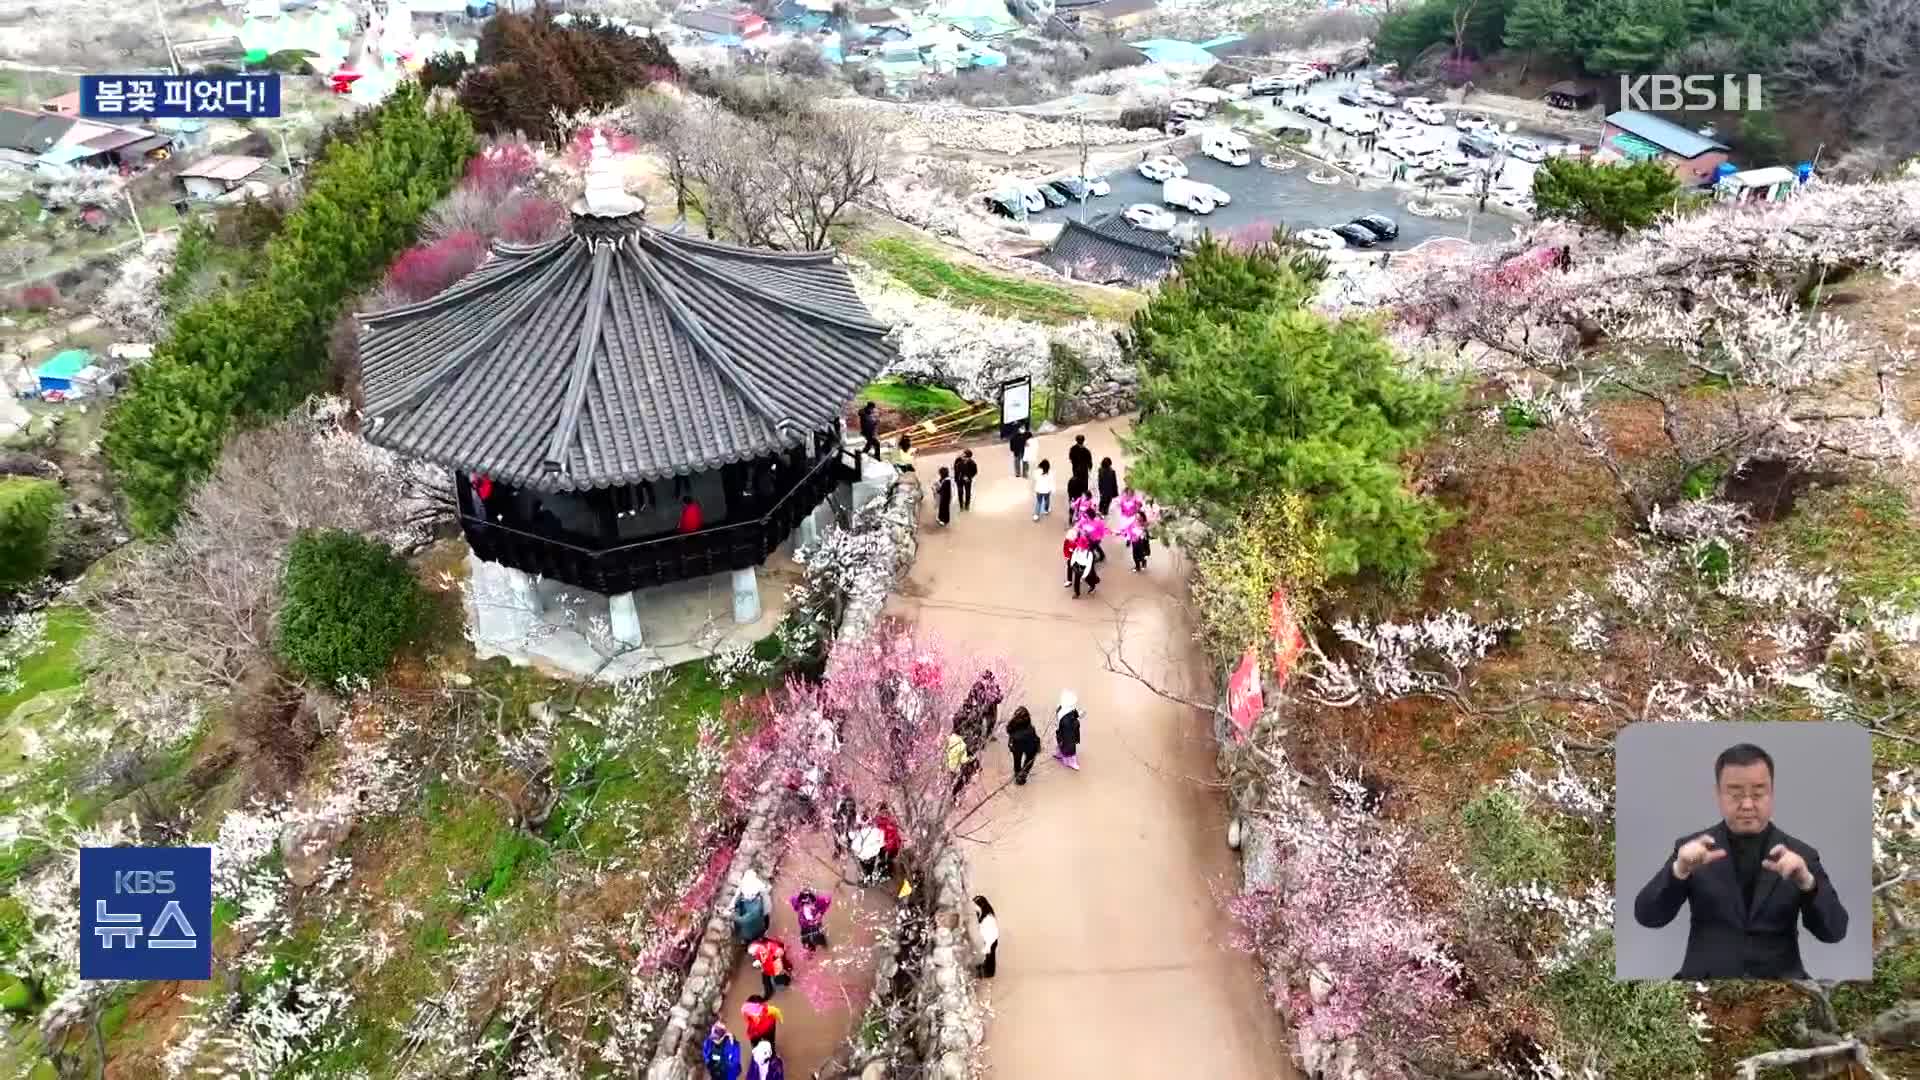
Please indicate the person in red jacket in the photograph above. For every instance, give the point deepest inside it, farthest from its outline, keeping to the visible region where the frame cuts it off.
(691, 519)
(889, 838)
(770, 956)
(763, 1021)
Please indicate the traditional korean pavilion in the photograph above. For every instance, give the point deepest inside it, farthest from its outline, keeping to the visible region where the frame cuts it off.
(594, 394)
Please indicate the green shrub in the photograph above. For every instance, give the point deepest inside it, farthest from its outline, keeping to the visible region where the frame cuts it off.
(29, 509)
(255, 351)
(347, 606)
(1508, 843)
(1639, 1030)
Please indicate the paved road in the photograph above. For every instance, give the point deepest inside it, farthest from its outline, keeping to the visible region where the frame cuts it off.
(1112, 958)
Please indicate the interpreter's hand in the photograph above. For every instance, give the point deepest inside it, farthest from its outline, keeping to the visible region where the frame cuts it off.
(1695, 854)
(1787, 862)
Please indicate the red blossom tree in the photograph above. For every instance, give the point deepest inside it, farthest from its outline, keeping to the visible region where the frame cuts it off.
(501, 168)
(427, 269)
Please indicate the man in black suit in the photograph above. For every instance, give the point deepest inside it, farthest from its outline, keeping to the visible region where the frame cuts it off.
(1746, 883)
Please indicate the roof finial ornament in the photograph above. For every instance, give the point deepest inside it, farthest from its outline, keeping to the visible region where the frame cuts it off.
(606, 193)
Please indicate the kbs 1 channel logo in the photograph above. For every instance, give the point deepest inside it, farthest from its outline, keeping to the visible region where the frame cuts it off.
(146, 913)
(179, 97)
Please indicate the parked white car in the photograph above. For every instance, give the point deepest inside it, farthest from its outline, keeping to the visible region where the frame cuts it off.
(1188, 109)
(1427, 114)
(1416, 102)
(1314, 110)
(1097, 186)
(1268, 84)
(1030, 195)
(1149, 217)
(1379, 97)
(1471, 122)
(1322, 239)
(1162, 168)
(1189, 195)
(1226, 146)
(1526, 150)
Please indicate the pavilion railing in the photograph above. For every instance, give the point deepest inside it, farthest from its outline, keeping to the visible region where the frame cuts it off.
(660, 560)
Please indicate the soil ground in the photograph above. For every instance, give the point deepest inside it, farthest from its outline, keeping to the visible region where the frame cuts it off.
(1113, 958)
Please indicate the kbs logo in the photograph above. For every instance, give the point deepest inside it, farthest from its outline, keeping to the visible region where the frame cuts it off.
(1691, 93)
(146, 913)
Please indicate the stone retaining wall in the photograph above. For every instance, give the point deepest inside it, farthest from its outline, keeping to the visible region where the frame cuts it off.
(1260, 867)
(895, 508)
(950, 1029)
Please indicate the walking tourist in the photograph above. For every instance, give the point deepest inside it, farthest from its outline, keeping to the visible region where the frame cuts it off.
(890, 841)
(870, 429)
(1108, 485)
(1067, 548)
(845, 813)
(750, 908)
(903, 456)
(1024, 741)
(770, 956)
(1077, 485)
(943, 497)
(867, 842)
(1066, 730)
(810, 908)
(962, 762)
(721, 1053)
(1094, 528)
(1130, 503)
(1080, 458)
(1029, 456)
(964, 471)
(980, 713)
(1043, 491)
(1017, 443)
(1079, 565)
(1135, 535)
(989, 936)
(763, 1021)
(766, 1064)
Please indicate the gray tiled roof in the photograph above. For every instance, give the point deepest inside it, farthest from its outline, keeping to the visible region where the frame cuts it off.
(1110, 249)
(1664, 133)
(632, 355)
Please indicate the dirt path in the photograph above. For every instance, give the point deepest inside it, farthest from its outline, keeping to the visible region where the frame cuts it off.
(1112, 959)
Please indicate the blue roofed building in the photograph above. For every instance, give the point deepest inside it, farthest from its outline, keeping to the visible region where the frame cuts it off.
(1172, 53)
(1693, 158)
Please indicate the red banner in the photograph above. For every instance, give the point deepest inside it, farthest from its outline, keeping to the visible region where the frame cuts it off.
(1244, 699)
(1288, 642)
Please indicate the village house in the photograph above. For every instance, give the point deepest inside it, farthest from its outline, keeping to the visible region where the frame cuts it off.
(221, 176)
(716, 26)
(1775, 183)
(1568, 94)
(1116, 15)
(1693, 158)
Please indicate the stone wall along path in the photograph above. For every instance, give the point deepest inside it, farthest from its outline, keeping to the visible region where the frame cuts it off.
(1113, 961)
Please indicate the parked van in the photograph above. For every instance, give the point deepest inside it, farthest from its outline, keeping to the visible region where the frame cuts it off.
(1188, 195)
(1227, 147)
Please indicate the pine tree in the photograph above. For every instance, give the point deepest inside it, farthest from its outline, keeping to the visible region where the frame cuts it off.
(1217, 282)
(1284, 399)
(1538, 28)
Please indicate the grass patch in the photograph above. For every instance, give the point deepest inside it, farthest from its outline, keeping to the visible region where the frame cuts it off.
(1639, 1029)
(1864, 532)
(57, 665)
(916, 402)
(1508, 843)
(926, 273)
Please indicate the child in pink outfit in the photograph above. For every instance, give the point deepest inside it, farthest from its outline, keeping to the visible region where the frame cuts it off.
(811, 909)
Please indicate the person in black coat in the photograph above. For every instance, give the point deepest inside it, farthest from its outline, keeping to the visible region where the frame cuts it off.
(1107, 484)
(1066, 730)
(964, 471)
(943, 493)
(1024, 741)
(1080, 459)
(1017, 442)
(1747, 884)
(1077, 486)
(870, 429)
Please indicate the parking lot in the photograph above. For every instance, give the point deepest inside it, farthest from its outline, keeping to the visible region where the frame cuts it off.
(1264, 196)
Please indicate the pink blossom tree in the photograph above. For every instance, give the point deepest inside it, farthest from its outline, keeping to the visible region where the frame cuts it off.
(427, 270)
